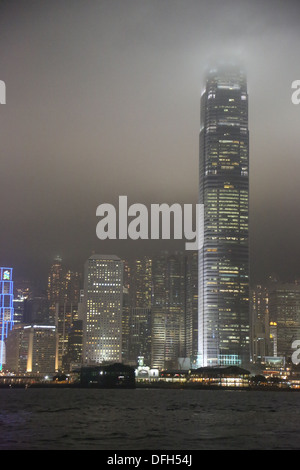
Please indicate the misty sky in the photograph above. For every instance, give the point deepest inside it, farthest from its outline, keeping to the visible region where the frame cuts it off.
(103, 99)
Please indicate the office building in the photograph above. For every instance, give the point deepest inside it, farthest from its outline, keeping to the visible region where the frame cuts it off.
(140, 318)
(32, 349)
(19, 305)
(64, 320)
(191, 308)
(102, 321)
(260, 324)
(126, 313)
(139, 336)
(168, 310)
(224, 192)
(284, 308)
(36, 310)
(6, 309)
(63, 297)
(73, 356)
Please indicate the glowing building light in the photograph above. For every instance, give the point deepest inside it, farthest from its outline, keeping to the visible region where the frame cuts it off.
(6, 309)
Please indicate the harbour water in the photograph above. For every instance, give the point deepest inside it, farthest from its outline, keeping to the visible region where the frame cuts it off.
(80, 419)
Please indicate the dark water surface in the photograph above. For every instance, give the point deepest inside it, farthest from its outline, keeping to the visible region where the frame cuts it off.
(148, 419)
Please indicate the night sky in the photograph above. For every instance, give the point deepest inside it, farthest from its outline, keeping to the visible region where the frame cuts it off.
(103, 99)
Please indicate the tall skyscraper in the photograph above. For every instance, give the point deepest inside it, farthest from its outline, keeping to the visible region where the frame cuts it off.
(23, 290)
(260, 324)
(125, 310)
(63, 297)
(168, 310)
(37, 311)
(284, 308)
(140, 318)
(73, 357)
(141, 283)
(55, 289)
(102, 320)
(224, 191)
(6, 309)
(139, 336)
(32, 348)
(191, 307)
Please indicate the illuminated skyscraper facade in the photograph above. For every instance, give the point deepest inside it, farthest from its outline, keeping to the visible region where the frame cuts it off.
(168, 310)
(6, 309)
(102, 319)
(284, 308)
(63, 298)
(191, 307)
(140, 318)
(224, 190)
(32, 348)
(260, 324)
(141, 283)
(55, 291)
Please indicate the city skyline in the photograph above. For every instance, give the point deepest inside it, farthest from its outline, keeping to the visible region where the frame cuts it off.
(149, 251)
(113, 82)
(224, 264)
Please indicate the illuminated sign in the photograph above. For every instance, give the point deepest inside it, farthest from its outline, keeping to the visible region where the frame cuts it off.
(6, 275)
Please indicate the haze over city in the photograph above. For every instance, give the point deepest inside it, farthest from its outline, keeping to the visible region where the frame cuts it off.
(103, 99)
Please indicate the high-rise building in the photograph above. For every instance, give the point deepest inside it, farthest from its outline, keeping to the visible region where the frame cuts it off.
(139, 336)
(32, 349)
(140, 318)
(73, 357)
(63, 297)
(102, 321)
(63, 285)
(191, 307)
(23, 289)
(19, 309)
(168, 310)
(65, 315)
(141, 283)
(6, 309)
(224, 192)
(56, 291)
(260, 324)
(71, 287)
(284, 308)
(37, 311)
(126, 308)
